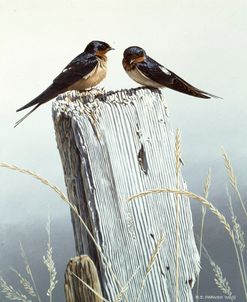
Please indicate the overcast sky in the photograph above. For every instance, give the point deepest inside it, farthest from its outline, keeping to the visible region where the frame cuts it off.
(204, 42)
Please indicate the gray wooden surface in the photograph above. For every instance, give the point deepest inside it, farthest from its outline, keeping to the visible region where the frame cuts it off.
(114, 145)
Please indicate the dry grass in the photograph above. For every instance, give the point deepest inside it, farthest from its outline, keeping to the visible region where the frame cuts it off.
(151, 262)
(120, 295)
(29, 271)
(178, 154)
(233, 179)
(49, 263)
(219, 280)
(90, 288)
(204, 210)
(24, 283)
(191, 195)
(36, 176)
(10, 293)
(30, 286)
(212, 208)
(239, 244)
(73, 208)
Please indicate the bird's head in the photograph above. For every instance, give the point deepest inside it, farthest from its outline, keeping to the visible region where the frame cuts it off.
(133, 55)
(98, 48)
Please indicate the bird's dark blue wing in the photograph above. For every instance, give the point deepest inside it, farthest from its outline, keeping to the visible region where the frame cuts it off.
(78, 68)
(156, 72)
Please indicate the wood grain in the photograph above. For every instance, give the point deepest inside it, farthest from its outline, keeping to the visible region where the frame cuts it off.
(113, 145)
(81, 267)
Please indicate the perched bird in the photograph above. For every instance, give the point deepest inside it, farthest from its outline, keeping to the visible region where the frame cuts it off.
(85, 71)
(147, 72)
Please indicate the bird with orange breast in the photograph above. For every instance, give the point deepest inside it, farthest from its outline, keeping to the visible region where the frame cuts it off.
(85, 71)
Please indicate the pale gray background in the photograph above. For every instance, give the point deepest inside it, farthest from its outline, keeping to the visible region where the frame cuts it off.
(202, 41)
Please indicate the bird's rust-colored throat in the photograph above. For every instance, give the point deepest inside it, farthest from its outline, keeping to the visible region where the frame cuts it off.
(102, 53)
(129, 64)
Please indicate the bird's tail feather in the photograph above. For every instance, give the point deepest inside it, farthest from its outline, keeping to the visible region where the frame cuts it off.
(211, 95)
(181, 85)
(26, 115)
(30, 104)
(44, 97)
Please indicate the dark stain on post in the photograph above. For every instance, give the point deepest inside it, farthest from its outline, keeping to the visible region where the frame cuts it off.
(142, 159)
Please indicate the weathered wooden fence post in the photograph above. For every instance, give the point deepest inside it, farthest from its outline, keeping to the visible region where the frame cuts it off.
(81, 268)
(113, 145)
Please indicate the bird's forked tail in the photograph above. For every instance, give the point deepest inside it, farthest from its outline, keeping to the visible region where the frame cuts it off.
(26, 115)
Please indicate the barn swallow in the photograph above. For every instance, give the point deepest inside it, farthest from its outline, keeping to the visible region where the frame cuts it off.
(85, 71)
(147, 72)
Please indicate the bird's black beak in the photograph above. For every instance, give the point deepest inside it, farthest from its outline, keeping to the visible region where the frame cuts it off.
(111, 48)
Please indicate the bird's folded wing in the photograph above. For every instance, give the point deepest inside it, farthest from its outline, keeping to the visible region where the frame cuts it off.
(78, 68)
(156, 72)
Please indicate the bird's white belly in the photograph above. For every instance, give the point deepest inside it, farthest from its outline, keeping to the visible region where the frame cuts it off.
(140, 78)
(92, 79)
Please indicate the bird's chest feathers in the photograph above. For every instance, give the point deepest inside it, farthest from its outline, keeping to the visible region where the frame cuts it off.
(140, 78)
(93, 78)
